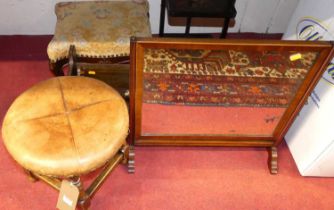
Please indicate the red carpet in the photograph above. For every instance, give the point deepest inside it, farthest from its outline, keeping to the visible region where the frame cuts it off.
(167, 177)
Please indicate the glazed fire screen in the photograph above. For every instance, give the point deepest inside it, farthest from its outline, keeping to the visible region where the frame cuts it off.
(220, 92)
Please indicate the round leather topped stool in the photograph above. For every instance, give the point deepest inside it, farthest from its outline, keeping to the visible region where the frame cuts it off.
(65, 127)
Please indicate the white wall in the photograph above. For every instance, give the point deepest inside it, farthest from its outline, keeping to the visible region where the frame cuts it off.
(37, 17)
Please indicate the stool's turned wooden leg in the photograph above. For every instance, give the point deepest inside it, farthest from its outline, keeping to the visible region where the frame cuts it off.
(84, 199)
(272, 160)
(125, 151)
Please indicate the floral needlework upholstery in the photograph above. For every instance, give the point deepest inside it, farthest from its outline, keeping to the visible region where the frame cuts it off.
(98, 28)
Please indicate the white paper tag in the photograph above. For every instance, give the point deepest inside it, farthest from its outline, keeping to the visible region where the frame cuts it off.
(68, 196)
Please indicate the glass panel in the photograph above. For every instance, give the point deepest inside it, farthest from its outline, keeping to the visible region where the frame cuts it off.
(225, 92)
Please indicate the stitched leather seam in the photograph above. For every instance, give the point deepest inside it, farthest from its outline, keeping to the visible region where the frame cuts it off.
(69, 122)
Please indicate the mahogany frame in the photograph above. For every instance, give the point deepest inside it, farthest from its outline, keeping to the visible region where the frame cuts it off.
(326, 52)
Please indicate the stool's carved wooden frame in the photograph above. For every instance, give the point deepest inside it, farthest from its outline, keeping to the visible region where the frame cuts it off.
(57, 68)
(125, 155)
(114, 74)
(140, 81)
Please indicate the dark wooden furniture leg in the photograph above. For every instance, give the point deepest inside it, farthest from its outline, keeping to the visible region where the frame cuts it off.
(57, 67)
(225, 28)
(272, 160)
(72, 62)
(188, 26)
(162, 18)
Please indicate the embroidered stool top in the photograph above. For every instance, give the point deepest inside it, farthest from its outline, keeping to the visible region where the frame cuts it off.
(66, 126)
(98, 29)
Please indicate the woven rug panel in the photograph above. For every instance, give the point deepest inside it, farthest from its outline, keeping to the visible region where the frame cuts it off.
(223, 77)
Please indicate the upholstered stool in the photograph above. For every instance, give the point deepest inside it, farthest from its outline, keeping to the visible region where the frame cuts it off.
(65, 127)
(99, 30)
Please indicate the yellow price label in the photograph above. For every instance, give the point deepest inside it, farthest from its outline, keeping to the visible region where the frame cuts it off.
(91, 72)
(295, 57)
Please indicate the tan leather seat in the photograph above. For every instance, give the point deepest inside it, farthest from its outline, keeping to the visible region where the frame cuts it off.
(66, 126)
